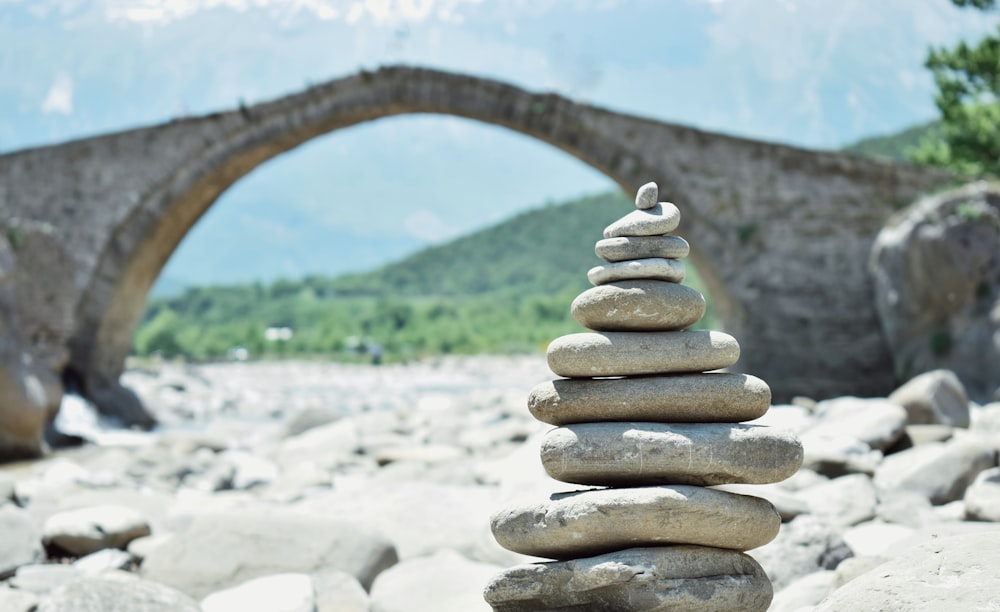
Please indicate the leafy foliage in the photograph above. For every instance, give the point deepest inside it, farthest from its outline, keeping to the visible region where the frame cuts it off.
(505, 289)
(968, 83)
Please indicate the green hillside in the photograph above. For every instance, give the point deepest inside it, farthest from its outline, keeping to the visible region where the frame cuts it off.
(503, 289)
(897, 146)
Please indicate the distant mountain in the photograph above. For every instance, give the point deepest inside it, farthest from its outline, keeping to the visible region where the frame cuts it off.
(898, 145)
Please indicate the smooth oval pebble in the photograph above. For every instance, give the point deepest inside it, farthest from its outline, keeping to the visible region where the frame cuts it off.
(638, 305)
(624, 248)
(662, 218)
(597, 354)
(598, 521)
(646, 454)
(652, 268)
(693, 578)
(646, 196)
(717, 397)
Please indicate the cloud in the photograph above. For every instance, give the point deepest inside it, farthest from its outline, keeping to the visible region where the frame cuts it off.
(59, 99)
(427, 226)
(380, 12)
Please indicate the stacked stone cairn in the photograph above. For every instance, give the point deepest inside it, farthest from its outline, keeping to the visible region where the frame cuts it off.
(641, 420)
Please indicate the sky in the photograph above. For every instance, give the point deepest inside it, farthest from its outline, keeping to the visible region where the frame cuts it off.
(816, 73)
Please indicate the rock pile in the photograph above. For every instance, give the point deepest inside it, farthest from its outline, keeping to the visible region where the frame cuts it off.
(639, 416)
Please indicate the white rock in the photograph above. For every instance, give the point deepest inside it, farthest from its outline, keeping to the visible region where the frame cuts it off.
(874, 539)
(806, 591)
(939, 471)
(876, 422)
(843, 501)
(982, 498)
(274, 593)
(21, 542)
(86, 530)
(443, 582)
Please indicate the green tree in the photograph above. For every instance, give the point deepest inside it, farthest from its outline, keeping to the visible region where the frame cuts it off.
(968, 96)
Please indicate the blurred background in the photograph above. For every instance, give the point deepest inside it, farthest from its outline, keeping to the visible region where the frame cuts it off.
(813, 74)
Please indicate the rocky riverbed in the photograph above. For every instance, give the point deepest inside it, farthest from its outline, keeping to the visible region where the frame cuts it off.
(306, 486)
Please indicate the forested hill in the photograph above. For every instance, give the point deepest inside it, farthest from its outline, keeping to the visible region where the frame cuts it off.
(506, 288)
(542, 251)
(897, 146)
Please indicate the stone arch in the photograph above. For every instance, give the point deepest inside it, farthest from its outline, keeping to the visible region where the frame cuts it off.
(144, 241)
(781, 235)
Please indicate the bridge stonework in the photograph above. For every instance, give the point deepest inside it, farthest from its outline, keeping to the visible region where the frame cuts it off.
(781, 235)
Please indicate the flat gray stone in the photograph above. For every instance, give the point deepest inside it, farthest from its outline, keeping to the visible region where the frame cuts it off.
(717, 397)
(982, 498)
(646, 454)
(661, 218)
(694, 578)
(936, 397)
(646, 196)
(653, 268)
(951, 573)
(625, 248)
(598, 521)
(117, 592)
(21, 542)
(588, 355)
(638, 305)
(940, 471)
(85, 530)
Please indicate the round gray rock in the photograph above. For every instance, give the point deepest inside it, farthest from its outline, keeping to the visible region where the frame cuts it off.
(646, 196)
(694, 578)
(86, 530)
(953, 573)
(659, 219)
(717, 397)
(599, 521)
(588, 355)
(638, 454)
(624, 248)
(638, 305)
(654, 268)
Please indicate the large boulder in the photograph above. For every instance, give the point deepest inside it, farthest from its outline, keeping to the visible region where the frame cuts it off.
(936, 268)
(219, 551)
(953, 573)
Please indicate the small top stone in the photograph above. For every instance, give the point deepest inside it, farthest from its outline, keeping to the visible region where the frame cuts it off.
(646, 196)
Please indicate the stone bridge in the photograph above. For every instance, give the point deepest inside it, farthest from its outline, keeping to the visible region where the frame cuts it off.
(781, 235)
